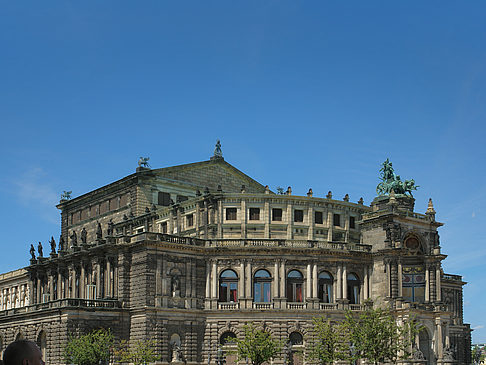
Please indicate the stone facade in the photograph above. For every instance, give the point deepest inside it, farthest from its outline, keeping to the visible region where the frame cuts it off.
(187, 255)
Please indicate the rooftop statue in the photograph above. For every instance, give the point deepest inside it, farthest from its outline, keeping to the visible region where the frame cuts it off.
(53, 245)
(32, 252)
(217, 149)
(66, 195)
(392, 182)
(143, 162)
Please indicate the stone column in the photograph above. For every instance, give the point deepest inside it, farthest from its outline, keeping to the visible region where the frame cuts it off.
(314, 281)
(308, 282)
(366, 288)
(290, 222)
(98, 280)
(243, 216)
(329, 225)
(267, 218)
(438, 294)
(214, 280)
(346, 225)
(400, 279)
(283, 276)
(51, 286)
(81, 282)
(438, 336)
(208, 279)
(311, 219)
(388, 279)
(339, 294)
(427, 283)
(248, 280)
(108, 277)
(59, 284)
(345, 282)
(197, 219)
(220, 219)
(31, 291)
(38, 300)
(276, 281)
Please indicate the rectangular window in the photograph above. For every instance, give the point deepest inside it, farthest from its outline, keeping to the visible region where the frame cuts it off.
(352, 223)
(298, 215)
(318, 217)
(230, 214)
(104, 207)
(277, 214)
(124, 200)
(163, 227)
(254, 214)
(190, 220)
(336, 220)
(163, 199)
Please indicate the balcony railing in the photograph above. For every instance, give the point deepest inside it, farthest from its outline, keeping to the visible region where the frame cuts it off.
(298, 305)
(65, 303)
(328, 306)
(262, 305)
(229, 306)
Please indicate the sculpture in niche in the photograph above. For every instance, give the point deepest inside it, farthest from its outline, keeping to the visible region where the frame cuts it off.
(175, 286)
(39, 249)
(61, 244)
(448, 354)
(52, 242)
(416, 353)
(176, 353)
(84, 235)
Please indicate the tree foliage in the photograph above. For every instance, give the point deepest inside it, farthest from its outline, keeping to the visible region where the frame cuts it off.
(89, 349)
(328, 342)
(478, 354)
(377, 336)
(142, 352)
(257, 345)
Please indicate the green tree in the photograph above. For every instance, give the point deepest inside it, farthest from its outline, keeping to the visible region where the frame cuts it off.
(257, 345)
(477, 354)
(90, 349)
(328, 342)
(377, 337)
(143, 352)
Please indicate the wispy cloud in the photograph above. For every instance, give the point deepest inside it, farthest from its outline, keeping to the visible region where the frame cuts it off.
(478, 327)
(33, 189)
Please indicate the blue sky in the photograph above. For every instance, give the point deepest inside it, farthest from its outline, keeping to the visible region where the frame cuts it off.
(307, 94)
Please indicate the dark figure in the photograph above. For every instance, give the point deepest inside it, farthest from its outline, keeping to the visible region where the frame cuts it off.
(39, 249)
(61, 243)
(22, 352)
(32, 252)
(74, 239)
(84, 235)
(110, 228)
(99, 232)
(53, 245)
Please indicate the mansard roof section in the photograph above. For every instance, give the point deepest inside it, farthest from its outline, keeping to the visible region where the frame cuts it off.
(210, 174)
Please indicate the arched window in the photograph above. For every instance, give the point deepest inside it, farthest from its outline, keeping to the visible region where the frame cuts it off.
(42, 343)
(228, 286)
(353, 289)
(413, 287)
(262, 281)
(296, 339)
(325, 287)
(227, 338)
(295, 282)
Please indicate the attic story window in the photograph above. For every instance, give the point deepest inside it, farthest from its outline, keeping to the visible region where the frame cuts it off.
(318, 217)
(298, 215)
(190, 220)
(163, 227)
(277, 214)
(352, 222)
(163, 199)
(230, 214)
(254, 214)
(336, 220)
